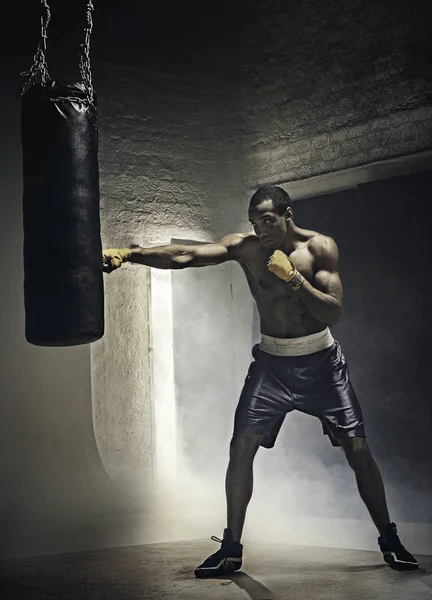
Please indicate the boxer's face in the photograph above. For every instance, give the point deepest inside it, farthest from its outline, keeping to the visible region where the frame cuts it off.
(269, 226)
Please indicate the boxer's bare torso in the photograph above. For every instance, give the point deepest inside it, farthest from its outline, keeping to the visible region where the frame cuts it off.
(282, 313)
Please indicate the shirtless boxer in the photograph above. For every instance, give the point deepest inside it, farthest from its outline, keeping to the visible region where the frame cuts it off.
(293, 276)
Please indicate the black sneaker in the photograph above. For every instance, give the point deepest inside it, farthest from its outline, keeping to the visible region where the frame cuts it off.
(225, 560)
(394, 553)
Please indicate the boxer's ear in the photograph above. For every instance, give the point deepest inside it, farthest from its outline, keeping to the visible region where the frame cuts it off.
(288, 213)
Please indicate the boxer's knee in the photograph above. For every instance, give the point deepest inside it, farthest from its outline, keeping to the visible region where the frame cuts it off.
(244, 446)
(357, 452)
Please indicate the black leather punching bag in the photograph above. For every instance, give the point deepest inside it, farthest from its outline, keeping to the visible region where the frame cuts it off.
(63, 285)
(63, 277)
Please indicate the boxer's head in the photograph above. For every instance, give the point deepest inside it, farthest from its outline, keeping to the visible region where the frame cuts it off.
(270, 212)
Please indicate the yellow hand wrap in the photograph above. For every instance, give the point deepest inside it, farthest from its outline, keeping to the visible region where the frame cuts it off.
(113, 258)
(281, 265)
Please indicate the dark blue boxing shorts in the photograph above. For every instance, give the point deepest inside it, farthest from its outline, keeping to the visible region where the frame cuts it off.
(316, 383)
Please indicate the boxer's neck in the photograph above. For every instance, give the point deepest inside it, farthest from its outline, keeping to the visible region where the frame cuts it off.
(291, 237)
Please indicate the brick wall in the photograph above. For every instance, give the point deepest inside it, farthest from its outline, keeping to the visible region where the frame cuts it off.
(395, 135)
(332, 85)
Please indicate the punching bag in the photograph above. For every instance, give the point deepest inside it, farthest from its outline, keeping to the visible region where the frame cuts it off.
(63, 277)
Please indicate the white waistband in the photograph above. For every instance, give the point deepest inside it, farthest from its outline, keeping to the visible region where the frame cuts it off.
(307, 344)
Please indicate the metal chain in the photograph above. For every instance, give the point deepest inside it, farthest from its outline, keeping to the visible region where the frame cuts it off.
(84, 63)
(67, 99)
(39, 68)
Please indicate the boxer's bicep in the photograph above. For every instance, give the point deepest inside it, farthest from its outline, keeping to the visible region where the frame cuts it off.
(326, 278)
(329, 283)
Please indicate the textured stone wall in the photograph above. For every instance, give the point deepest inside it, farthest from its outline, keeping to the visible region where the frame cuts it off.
(394, 135)
(170, 160)
(332, 85)
(171, 166)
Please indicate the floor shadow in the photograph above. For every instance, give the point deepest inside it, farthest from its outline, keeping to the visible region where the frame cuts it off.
(425, 576)
(360, 568)
(255, 589)
(258, 591)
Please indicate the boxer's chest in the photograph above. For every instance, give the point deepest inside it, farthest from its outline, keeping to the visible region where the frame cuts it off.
(264, 283)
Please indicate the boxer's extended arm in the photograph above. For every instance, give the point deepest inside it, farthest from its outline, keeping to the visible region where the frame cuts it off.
(175, 256)
(323, 299)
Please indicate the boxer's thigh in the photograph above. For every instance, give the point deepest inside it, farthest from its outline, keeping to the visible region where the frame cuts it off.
(262, 406)
(328, 394)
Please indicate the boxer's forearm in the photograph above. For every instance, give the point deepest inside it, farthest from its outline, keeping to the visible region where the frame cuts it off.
(321, 306)
(161, 257)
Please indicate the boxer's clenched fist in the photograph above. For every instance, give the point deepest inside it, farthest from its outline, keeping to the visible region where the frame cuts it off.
(113, 258)
(281, 265)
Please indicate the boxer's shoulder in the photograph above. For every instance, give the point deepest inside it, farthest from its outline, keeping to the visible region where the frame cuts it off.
(320, 245)
(243, 245)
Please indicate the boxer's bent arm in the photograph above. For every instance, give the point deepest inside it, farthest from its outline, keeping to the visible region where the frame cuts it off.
(176, 256)
(324, 299)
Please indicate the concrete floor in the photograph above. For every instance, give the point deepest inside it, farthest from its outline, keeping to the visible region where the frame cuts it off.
(165, 572)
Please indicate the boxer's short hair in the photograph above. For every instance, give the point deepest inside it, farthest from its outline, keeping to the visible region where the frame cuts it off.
(280, 198)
